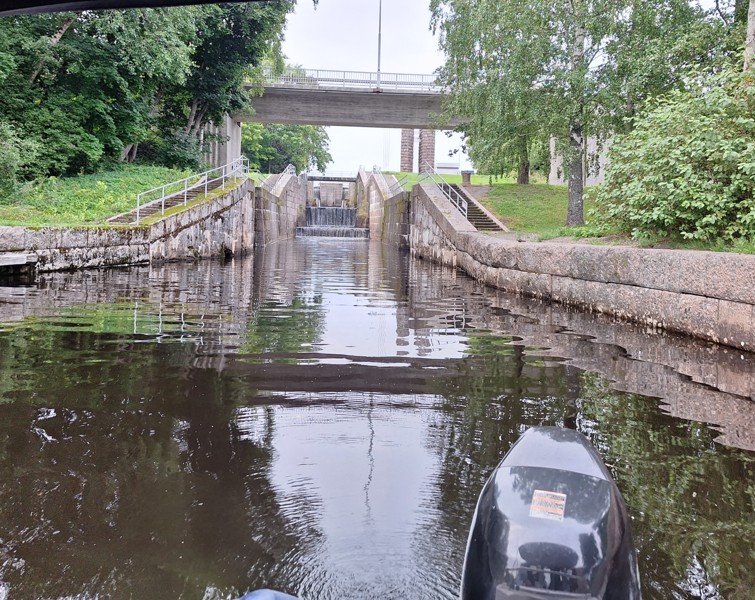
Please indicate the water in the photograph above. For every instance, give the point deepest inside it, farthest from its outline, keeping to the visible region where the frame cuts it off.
(322, 421)
(332, 222)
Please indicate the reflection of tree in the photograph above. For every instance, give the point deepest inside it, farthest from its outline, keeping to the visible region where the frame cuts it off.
(501, 388)
(138, 480)
(692, 501)
(275, 327)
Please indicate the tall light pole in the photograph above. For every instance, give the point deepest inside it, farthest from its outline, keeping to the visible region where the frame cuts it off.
(380, 32)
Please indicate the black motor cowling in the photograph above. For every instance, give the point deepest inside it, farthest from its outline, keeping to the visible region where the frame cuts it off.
(550, 523)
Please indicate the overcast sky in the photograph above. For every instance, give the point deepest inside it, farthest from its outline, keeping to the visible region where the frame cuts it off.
(343, 34)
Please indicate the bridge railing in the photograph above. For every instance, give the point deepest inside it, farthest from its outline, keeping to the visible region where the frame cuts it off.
(429, 174)
(202, 181)
(312, 78)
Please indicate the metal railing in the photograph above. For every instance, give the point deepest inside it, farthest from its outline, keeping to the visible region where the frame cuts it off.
(275, 187)
(294, 77)
(201, 181)
(399, 185)
(428, 173)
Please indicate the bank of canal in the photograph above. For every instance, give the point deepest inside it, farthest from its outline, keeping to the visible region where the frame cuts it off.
(321, 420)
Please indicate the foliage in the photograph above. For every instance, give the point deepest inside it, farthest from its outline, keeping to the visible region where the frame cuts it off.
(690, 499)
(520, 72)
(91, 86)
(271, 147)
(16, 154)
(687, 169)
(84, 199)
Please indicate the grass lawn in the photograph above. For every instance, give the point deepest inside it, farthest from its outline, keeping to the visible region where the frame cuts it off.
(87, 199)
(409, 179)
(534, 208)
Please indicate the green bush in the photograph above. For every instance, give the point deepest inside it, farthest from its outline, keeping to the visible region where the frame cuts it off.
(687, 168)
(16, 153)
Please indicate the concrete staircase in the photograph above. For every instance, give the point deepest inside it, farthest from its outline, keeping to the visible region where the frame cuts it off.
(176, 199)
(476, 215)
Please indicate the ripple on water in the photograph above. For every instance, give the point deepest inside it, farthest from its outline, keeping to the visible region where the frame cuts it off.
(321, 421)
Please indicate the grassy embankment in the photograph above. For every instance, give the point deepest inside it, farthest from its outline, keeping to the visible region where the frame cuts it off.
(536, 208)
(83, 200)
(538, 211)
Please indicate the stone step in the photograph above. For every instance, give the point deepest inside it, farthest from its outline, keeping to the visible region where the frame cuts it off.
(170, 202)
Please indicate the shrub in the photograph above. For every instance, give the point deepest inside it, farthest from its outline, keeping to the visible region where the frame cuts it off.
(16, 153)
(687, 168)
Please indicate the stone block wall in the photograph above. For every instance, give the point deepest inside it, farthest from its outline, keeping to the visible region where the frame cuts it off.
(377, 193)
(362, 198)
(395, 229)
(221, 226)
(389, 211)
(277, 217)
(708, 295)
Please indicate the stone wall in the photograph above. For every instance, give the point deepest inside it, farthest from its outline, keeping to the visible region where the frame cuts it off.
(277, 216)
(705, 294)
(362, 198)
(388, 212)
(220, 226)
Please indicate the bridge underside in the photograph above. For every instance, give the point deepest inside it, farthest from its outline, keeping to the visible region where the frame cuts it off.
(350, 108)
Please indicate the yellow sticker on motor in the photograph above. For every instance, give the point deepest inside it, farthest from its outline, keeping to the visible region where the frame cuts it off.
(548, 505)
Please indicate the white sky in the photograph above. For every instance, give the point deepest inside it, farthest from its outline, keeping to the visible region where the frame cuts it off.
(343, 34)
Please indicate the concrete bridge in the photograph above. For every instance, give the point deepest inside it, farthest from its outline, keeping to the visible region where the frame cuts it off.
(347, 98)
(344, 98)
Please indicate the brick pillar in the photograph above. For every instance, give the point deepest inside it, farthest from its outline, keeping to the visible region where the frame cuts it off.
(426, 149)
(407, 150)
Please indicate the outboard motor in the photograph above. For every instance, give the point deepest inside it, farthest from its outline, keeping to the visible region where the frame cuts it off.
(550, 524)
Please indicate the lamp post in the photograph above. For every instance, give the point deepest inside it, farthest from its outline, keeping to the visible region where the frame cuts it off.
(380, 31)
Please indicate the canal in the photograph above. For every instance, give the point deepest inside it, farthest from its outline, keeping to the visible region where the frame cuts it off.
(321, 420)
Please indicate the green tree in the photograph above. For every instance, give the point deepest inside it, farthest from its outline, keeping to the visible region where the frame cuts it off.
(81, 83)
(271, 148)
(687, 169)
(232, 39)
(16, 153)
(526, 70)
(94, 85)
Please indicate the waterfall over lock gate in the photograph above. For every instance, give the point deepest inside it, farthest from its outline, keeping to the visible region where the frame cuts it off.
(325, 221)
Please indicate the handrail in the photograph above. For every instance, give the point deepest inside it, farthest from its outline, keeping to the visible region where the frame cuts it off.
(398, 185)
(428, 172)
(300, 77)
(276, 187)
(238, 167)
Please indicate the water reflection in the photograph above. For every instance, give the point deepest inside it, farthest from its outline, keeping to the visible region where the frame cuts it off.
(322, 421)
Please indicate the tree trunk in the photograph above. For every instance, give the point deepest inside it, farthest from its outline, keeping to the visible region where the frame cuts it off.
(523, 175)
(575, 210)
(53, 41)
(740, 11)
(199, 119)
(750, 38)
(192, 116)
(126, 152)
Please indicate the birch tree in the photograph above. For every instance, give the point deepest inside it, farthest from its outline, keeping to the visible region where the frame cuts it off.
(521, 70)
